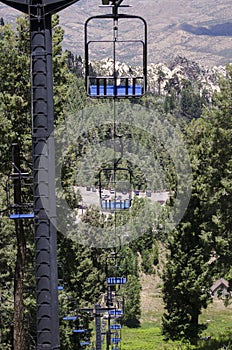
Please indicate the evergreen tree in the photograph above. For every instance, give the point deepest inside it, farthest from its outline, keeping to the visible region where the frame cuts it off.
(191, 101)
(132, 307)
(205, 230)
(14, 96)
(186, 282)
(212, 150)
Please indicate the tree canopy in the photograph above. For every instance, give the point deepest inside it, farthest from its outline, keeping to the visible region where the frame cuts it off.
(200, 247)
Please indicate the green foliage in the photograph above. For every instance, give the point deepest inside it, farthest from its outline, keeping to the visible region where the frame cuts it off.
(211, 154)
(7, 257)
(147, 246)
(75, 64)
(14, 89)
(206, 226)
(132, 310)
(185, 287)
(191, 102)
(170, 102)
(150, 258)
(63, 79)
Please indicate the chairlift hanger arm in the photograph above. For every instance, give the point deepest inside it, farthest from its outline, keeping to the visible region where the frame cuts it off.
(119, 15)
(119, 2)
(116, 3)
(116, 6)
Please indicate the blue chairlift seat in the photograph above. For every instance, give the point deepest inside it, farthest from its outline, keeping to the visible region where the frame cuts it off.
(69, 318)
(22, 216)
(116, 280)
(84, 343)
(115, 204)
(115, 326)
(115, 312)
(79, 330)
(22, 209)
(115, 340)
(107, 87)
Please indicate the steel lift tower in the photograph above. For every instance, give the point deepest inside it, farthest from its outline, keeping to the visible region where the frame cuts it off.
(42, 110)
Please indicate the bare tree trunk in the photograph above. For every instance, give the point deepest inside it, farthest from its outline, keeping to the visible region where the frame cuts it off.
(195, 326)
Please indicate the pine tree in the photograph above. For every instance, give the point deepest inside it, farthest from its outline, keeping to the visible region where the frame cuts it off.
(212, 150)
(205, 230)
(186, 281)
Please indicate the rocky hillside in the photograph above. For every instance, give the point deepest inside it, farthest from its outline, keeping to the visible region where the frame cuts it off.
(177, 70)
(181, 69)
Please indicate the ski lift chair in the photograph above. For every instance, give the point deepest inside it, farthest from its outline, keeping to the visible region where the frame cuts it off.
(114, 85)
(20, 209)
(115, 192)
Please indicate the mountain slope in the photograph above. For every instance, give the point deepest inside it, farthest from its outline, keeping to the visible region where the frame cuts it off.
(198, 30)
